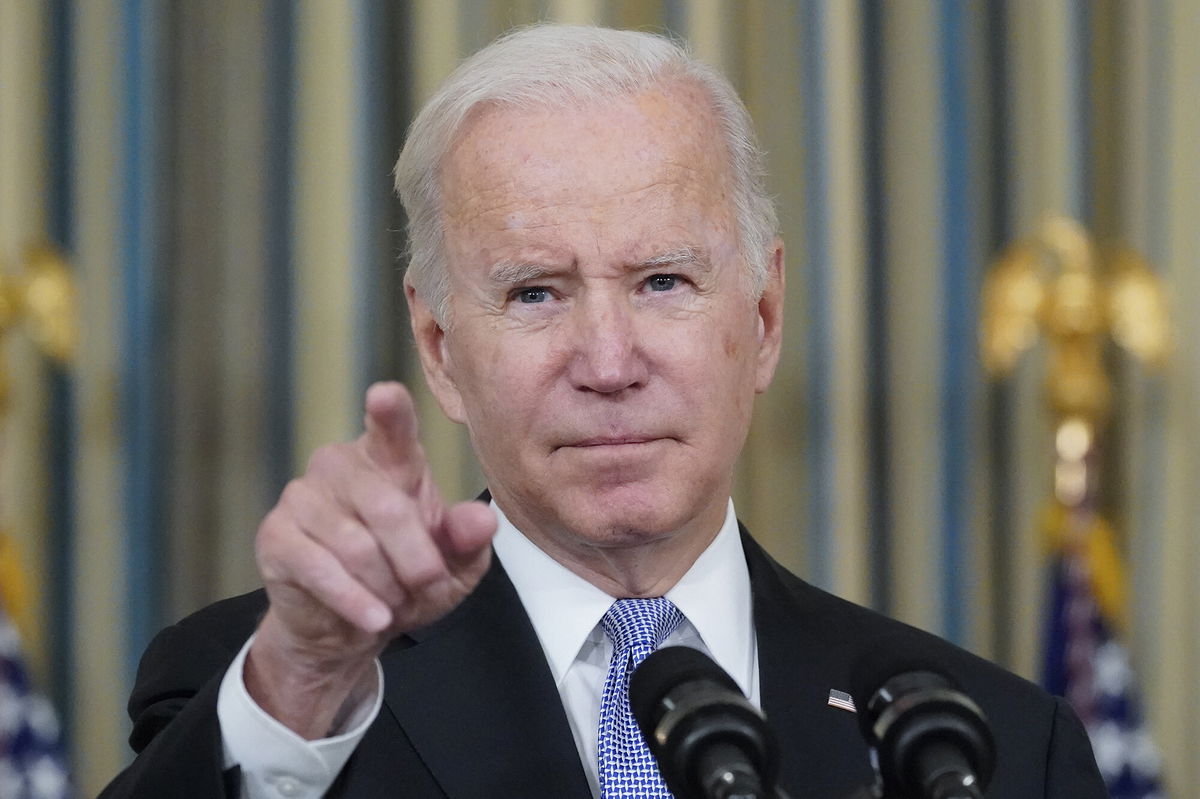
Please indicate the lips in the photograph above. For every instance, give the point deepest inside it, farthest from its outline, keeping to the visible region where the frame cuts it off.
(609, 440)
(613, 441)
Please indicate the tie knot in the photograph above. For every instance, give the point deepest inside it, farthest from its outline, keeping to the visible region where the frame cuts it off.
(640, 623)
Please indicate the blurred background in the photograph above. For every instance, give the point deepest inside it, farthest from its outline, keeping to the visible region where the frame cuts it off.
(215, 178)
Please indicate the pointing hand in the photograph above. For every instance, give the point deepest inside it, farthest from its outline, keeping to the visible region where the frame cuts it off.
(358, 550)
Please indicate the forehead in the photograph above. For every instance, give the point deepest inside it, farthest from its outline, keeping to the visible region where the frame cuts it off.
(595, 155)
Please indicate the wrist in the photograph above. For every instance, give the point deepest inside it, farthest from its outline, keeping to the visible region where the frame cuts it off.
(310, 690)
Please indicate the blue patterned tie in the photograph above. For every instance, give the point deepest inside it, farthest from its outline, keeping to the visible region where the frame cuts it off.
(636, 628)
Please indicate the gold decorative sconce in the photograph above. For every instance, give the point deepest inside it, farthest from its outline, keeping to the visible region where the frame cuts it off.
(40, 300)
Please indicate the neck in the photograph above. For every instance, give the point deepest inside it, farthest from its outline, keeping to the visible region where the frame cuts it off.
(632, 563)
(648, 570)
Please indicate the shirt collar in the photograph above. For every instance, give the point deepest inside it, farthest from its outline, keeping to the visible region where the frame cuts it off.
(714, 596)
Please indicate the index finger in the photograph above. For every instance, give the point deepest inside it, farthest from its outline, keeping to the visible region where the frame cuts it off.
(391, 429)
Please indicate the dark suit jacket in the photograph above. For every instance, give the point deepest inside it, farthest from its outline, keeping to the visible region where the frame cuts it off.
(471, 710)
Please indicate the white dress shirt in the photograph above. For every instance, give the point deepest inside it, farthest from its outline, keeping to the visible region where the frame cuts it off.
(713, 596)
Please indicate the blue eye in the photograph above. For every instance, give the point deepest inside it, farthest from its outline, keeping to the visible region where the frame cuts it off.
(533, 294)
(662, 282)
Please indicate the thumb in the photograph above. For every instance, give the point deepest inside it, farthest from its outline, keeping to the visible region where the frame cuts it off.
(466, 533)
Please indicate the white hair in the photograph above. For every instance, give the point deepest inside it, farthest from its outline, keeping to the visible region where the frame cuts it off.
(559, 65)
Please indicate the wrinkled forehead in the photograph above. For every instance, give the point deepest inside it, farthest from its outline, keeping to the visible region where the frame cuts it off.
(665, 134)
(687, 92)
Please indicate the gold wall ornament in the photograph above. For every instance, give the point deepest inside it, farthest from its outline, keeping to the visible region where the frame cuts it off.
(1057, 284)
(1137, 309)
(40, 300)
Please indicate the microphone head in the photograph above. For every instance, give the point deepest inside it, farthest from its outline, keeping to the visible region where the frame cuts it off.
(908, 704)
(690, 711)
(875, 667)
(664, 670)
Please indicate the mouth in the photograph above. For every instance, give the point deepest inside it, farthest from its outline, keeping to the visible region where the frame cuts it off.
(613, 441)
(599, 442)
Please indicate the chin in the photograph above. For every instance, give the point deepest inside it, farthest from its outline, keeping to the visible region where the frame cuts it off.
(624, 517)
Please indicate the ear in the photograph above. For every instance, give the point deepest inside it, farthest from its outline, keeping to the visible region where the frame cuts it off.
(436, 363)
(770, 319)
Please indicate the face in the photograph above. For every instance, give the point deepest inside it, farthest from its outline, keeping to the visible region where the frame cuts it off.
(603, 346)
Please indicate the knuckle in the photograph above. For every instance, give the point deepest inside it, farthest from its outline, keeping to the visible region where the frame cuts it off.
(419, 563)
(322, 576)
(276, 561)
(356, 547)
(322, 582)
(424, 571)
(270, 569)
(326, 460)
(348, 531)
(391, 510)
(273, 527)
(293, 493)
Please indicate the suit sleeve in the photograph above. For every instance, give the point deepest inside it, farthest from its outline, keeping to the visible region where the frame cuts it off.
(1071, 771)
(176, 734)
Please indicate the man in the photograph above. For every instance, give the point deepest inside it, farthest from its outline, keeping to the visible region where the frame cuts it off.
(596, 292)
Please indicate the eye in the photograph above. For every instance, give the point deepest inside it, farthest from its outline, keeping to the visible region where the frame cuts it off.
(662, 282)
(532, 295)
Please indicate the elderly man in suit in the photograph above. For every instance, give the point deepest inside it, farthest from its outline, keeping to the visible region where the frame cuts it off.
(596, 292)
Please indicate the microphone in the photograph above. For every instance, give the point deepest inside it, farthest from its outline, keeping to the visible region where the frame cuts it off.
(709, 740)
(928, 739)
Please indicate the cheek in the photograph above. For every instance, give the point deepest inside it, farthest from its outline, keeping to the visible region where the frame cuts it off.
(496, 416)
(473, 374)
(500, 384)
(738, 365)
(739, 341)
(730, 346)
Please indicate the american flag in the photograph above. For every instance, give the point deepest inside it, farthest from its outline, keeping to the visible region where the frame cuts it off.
(841, 699)
(32, 764)
(1086, 663)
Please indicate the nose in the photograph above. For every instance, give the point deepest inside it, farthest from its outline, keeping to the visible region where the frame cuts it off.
(608, 357)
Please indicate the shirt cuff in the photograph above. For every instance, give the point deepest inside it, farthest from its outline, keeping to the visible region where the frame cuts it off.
(277, 763)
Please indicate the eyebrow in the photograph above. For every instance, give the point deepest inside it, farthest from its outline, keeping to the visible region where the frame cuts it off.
(512, 273)
(684, 256)
(515, 272)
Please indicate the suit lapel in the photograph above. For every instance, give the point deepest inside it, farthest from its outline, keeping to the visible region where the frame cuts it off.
(477, 700)
(475, 696)
(802, 654)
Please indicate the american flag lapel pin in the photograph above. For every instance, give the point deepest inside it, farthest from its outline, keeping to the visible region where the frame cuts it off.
(841, 699)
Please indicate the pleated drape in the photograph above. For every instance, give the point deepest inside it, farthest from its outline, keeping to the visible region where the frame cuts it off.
(217, 173)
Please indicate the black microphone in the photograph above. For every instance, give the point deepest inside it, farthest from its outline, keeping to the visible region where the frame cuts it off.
(929, 740)
(709, 740)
